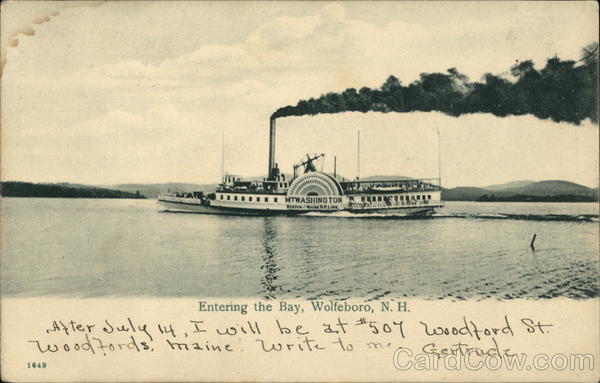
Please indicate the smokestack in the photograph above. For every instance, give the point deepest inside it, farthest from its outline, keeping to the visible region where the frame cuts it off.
(271, 146)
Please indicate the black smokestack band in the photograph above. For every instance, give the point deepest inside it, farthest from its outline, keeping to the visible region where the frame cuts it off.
(562, 91)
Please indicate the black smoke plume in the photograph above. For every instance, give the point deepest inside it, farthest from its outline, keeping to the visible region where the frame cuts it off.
(562, 91)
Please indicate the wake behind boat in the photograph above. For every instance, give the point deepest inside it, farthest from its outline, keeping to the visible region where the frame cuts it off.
(310, 191)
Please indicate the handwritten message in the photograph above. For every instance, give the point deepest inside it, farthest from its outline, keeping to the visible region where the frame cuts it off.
(351, 328)
(124, 339)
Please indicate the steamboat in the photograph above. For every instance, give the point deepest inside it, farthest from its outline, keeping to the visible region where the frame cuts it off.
(309, 190)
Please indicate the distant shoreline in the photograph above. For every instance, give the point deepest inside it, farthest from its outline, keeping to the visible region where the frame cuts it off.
(453, 200)
(554, 191)
(534, 198)
(31, 190)
(27, 196)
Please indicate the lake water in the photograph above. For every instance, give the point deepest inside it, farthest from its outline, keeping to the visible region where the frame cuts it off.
(102, 247)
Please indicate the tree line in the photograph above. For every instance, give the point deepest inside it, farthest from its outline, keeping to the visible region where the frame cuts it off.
(26, 189)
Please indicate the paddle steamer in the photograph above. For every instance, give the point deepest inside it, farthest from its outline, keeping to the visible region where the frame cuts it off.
(309, 190)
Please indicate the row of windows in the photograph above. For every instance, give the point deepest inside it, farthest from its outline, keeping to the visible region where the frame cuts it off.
(250, 199)
(363, 198)
(395, 198)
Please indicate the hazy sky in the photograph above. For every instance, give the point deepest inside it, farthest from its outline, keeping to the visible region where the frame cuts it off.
(139, 91)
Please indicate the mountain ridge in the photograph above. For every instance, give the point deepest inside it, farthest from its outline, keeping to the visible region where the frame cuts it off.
(551, 190)
(507, 185)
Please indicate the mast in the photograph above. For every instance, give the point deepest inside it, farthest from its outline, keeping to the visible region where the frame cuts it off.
(334, 166)
(358, 157)
(223, 156)
(439, 158)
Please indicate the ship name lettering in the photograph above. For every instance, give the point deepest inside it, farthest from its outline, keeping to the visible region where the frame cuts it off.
(312, 200)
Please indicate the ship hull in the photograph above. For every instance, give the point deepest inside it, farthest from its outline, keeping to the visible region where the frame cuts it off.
(406, 211)
(193, 207)
(183, 207)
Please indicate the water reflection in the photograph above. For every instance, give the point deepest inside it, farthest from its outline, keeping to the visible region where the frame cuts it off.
(309, 268)
(269, 266)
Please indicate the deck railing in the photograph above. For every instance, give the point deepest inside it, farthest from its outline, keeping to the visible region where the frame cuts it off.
(384, 186)
(393, 204)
